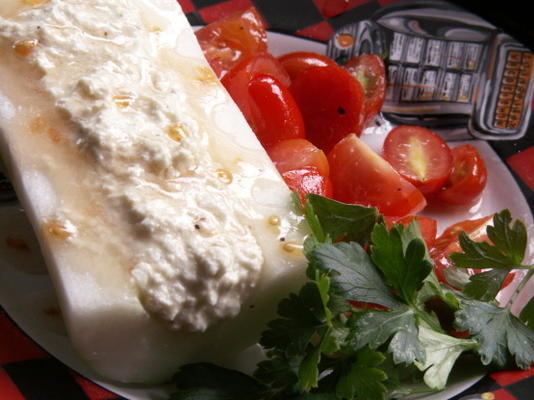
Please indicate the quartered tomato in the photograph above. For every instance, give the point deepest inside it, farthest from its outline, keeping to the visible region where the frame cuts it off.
(467, 179)
(298, 153)
(420, 156)
(229, 40)
(297, 62)
(331, 102)
(238, 79)
(274, 115)
(427, 226)
(370, 71)
(361, 176)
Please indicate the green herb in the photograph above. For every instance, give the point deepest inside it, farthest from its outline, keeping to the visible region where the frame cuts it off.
(360, 328)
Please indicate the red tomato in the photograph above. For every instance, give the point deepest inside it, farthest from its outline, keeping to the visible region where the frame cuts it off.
(303, 166)
(308, 180)
(369, 70)
(274, 115)
(448, 243)
(467, 179)
(361, 176)
(238, 79)
(330, 101)
(428, 226)
(298, 153)
(297, 62)
(229, 40)
(420, 156)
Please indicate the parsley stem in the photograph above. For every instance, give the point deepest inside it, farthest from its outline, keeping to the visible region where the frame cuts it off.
(519, 288)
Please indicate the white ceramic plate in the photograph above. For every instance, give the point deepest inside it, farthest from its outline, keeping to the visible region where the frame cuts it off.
(27, 295)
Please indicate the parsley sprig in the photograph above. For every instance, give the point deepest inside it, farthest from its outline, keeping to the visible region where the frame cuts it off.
(361, 328)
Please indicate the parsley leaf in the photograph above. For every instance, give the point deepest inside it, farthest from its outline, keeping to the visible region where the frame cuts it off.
(353, 275)
(363, 380)
(339, 220)
(506, 252)
(485, 285)
(403, 260)
(498, 331)
(527, 314)
(441, 354)
(374, 328)
(301, 315)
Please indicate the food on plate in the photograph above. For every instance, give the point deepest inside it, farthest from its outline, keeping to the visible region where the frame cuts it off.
(165, 226)
(361, 176)
(274, 114)
(370, 71)
(420, 156)
(331, 102)
(230, 40)
(467, 179)
(297, 62)
(303, 166)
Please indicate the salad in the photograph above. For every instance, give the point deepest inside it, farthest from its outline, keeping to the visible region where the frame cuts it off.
(389, 307)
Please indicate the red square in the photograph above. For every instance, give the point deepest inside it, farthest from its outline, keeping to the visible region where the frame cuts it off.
(187, 6)
(218, 11)
(321, 31)
(92, 390)
(331, 8)
(8, 389)
(523, 165)
(502, 394)
(15, 345)
(506, 378)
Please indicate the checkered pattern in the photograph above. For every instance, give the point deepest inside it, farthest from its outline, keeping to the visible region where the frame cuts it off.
(502, 386)
(28, 373)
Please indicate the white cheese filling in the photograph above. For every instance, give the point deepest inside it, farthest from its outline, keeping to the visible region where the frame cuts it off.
(111, 68)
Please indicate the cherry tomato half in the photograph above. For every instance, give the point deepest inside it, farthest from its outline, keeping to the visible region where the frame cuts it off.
(229, 40)
(274, 115)
(308, 180)
(297, 62)
(370, 71)
(237, 80)
(293, 154)
(467, 179)
(361, 176)
(330, 101)
(420, 156)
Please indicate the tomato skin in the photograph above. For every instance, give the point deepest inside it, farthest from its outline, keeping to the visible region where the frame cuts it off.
(428, 226)
(308, 180)
(360, 176)
(274, 115)
(420, 156)
(297, 62)
(293, 154)
(331, 102)
(237, 80)
(467, 179)
(231, 39)
(370, 71)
